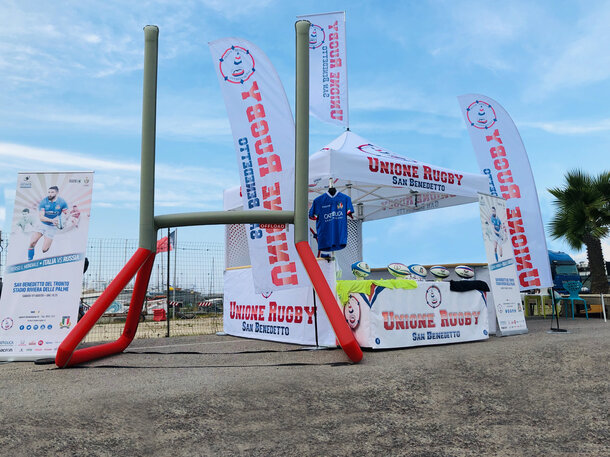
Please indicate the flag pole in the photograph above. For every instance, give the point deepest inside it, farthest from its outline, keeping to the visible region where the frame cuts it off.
(175, 257)
(346, 69)
(167, 285)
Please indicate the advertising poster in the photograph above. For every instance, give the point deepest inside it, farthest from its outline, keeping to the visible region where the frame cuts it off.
(45, 261)
(263, 134)
(504, 283)
(502, 158)
(283, 316)
(328, 99)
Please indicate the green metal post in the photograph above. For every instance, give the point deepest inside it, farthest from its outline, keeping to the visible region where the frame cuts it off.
(301, 153)
(149, 121)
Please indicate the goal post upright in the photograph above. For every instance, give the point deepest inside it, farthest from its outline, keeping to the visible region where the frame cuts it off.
(344, 335)
(148, 233)
(142, 261)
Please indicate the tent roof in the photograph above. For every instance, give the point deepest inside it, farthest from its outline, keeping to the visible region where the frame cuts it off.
(382, 183)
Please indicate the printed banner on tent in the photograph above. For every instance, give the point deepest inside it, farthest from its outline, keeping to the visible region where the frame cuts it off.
(45, 260)
(502, 157)
(328, 68)
(284, 316)
(501, 261)
(430, 314)
(263, 133)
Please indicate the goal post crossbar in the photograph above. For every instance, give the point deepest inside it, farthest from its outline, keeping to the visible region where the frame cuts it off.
(223, 217)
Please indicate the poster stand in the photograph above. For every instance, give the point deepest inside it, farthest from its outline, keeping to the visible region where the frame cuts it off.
(556, 314)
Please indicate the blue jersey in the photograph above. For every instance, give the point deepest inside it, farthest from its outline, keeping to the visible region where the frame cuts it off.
(497, 223)
(52, 209)
(330, 214)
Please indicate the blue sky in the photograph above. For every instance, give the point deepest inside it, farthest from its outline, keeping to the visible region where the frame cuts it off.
(71, 78)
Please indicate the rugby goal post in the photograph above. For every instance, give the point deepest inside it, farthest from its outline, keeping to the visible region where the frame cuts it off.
(142, 261)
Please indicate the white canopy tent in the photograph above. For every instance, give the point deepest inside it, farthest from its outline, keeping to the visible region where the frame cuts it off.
(384, 184)
(380, 183)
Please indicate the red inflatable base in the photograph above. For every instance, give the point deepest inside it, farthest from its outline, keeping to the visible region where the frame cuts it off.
(67, 355)
(344, 334)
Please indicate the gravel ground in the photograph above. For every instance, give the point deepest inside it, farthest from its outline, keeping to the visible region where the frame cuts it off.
(538, 394)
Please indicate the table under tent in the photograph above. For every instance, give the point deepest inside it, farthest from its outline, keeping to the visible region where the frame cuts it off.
(380, 183)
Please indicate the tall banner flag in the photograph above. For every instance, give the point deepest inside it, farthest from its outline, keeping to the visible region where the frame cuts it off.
(502, 269)
(328, 68)
(263, 133)
(45, 261)
(502, 158)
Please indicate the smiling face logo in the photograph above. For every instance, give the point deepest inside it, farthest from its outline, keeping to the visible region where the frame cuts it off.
(316, 36)
(236, 65)
(352, 312)
(481, 115)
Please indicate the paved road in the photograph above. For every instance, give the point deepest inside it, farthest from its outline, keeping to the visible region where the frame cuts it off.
(537, 394)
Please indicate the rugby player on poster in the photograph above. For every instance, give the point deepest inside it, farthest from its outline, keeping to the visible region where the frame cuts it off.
(498, 230)
(50, 210)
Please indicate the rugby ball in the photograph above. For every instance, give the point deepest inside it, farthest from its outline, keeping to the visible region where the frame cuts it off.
(419, 271)
(398, 270)
(464, 271)
(439, 272)
(360, 269)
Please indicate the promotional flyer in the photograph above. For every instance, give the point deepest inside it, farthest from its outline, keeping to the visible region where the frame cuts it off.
(45, 261)
(502, 273)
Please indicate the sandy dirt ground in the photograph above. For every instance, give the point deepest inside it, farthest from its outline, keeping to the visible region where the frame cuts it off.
(537, 394)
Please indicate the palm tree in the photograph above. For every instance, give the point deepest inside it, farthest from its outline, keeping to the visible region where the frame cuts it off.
(583, 218)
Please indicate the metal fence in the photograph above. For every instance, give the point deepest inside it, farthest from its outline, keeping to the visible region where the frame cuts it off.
(194, 277)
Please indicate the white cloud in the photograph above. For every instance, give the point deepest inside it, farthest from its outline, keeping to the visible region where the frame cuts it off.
(235, 9)
(418, 224)
(581, 256)
(60, 158)
(425, 125)
(482, 35)
(381, 96)
(117, 182)
(582, 56)
(579, 127)
(92, 38)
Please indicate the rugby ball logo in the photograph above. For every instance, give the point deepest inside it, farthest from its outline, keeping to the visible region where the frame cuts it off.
(360, 269)
(371, 149)
(398, 270)
(433, 297)
(317, 36)
(464, 271)
(481, 115)
(236, 65)
(439, 272)
(419, 271)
